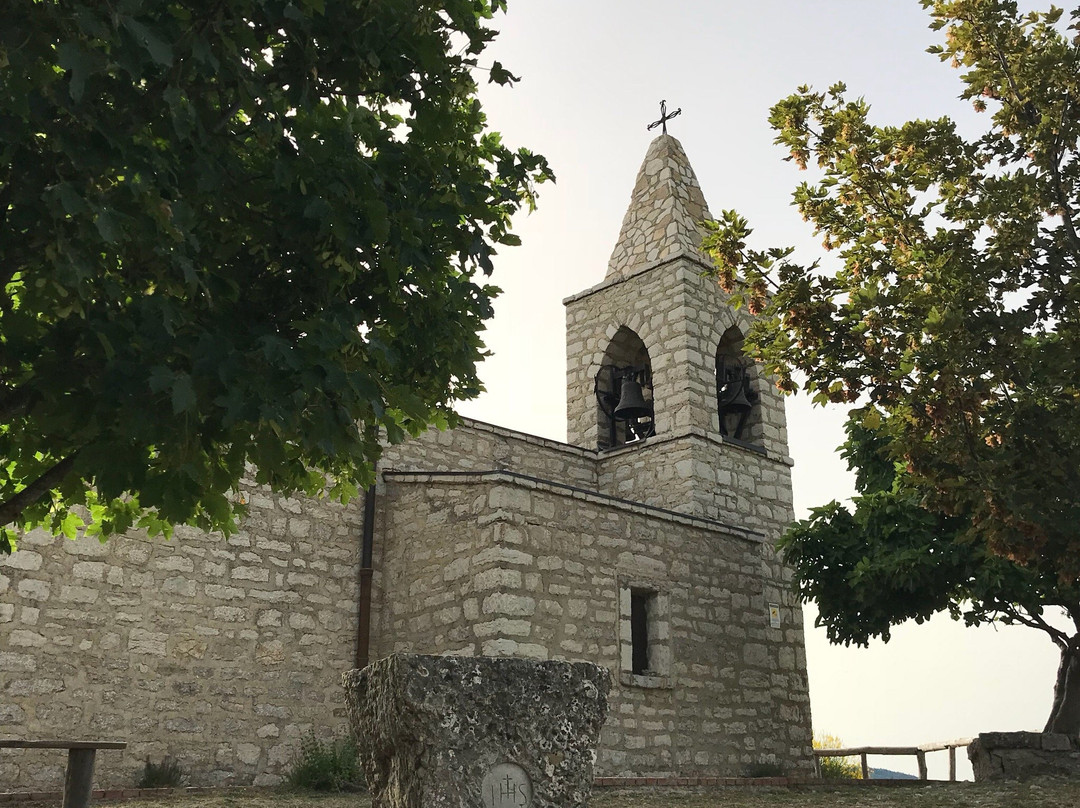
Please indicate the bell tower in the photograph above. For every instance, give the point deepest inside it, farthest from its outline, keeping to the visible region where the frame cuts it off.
(656, 379)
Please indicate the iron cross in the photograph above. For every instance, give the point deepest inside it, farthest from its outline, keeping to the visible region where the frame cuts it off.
(664, 117)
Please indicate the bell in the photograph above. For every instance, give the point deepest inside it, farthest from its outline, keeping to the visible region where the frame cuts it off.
(632, 404)
(734, 400)
(733, 396)
(731, 387)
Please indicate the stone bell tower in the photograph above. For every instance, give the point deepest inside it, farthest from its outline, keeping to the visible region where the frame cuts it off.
(707, 436)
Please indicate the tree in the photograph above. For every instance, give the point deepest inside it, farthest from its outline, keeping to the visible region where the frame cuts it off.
(951, 316)
(890, 559)
(237, 233)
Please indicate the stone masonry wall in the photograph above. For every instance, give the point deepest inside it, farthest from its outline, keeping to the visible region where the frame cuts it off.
(646, 305)
(1023, 755)
(426, 544)
(224, 653)
(221, 653)
(687, 466)
(735, 483)
(653, 472)
(431, 558)
(681, 317)
(701, 475)
(551, 584)
(665, 212)
(478, 446)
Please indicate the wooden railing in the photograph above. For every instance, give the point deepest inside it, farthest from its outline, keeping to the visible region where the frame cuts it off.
(918, 751)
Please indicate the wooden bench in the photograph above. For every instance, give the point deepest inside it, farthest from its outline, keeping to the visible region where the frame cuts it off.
(80, 767)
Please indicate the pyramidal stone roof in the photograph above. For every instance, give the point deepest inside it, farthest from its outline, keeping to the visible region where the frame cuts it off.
(665, 210)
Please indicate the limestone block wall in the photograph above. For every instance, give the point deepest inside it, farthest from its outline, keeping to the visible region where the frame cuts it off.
(434, 567)
(478, 446)
(665, 212)
(681, 317)
(650, 306)
(221, 653)
(735, 483)
(553, 583)
(699, 474)
(710, 316)
(734, 690)
(655, 472)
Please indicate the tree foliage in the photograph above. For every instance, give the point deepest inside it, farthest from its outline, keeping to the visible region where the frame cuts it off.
(836, 768)
(890, 559)
(237, 233)
(950, 314)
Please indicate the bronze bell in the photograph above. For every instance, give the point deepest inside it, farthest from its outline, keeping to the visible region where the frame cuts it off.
(732, 387)
(733, 395)
(632, 402)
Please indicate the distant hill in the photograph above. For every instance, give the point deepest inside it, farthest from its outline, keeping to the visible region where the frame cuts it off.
(889, 774)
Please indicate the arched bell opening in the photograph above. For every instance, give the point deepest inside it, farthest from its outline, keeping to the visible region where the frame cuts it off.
(738, 402)
(624, 392)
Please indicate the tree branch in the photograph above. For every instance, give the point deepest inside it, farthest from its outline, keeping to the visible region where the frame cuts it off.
(1026, 110)
(1073, 610)
(1007, 70)
(1034, 621)
(12, 508)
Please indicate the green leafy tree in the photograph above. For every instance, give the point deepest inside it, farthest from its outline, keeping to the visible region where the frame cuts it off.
(889, 559)
(951, 315)
(235, 234)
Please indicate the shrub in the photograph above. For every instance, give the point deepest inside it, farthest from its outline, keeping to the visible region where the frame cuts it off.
(326, 765)
(836, 768)
(166, 774)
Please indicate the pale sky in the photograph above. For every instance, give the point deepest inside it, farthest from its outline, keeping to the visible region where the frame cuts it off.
(593, 74)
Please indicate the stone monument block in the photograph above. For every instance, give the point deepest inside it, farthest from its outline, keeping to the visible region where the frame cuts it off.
(464, 732)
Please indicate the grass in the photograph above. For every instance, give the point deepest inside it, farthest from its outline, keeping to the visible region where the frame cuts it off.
(1041, 793)
(1037, 794)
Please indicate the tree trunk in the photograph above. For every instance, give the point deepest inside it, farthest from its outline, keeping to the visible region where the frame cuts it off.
(1065, 714)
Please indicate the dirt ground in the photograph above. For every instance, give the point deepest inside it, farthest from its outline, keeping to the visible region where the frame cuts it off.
(1041, 793)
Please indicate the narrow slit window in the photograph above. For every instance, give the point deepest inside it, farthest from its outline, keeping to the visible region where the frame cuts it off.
(639, 630)
(644, 634)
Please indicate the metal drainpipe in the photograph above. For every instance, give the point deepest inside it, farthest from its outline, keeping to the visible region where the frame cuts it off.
(363, 612)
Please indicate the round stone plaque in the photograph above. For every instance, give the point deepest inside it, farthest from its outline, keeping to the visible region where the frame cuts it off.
(506, 785)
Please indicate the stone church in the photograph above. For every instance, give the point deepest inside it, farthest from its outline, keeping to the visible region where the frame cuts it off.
(643, 544)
